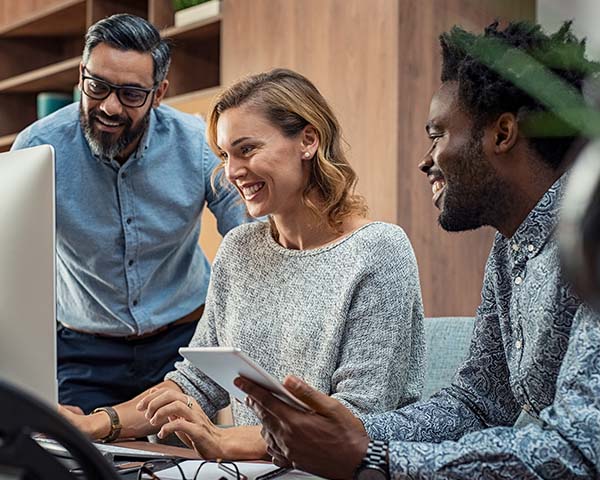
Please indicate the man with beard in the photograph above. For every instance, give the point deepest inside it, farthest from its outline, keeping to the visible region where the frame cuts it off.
(488, 164)
(132, 178)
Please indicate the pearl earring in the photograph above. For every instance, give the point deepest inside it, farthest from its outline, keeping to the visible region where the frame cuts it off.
(307, 155)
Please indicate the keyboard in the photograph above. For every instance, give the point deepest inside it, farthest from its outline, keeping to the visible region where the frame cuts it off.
(108, 450)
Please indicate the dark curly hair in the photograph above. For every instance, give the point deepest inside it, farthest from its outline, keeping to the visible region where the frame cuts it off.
(499, 71)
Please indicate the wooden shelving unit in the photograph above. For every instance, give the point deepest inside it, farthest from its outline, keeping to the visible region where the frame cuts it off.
(59, 20)
(43, 51)
(6, 141)
(196, 102)
(207, 28)
(60, 76)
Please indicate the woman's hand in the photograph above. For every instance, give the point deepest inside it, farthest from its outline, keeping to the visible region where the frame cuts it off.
(176, 412)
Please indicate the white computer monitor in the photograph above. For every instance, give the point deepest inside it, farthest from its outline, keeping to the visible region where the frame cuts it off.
(27, 271)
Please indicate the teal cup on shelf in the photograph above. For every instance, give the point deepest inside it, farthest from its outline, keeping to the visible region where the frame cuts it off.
(48, 102)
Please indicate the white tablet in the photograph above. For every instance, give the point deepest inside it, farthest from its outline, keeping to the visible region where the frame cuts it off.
(225, 364)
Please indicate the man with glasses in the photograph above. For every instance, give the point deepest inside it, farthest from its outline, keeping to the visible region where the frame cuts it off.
(132, 178)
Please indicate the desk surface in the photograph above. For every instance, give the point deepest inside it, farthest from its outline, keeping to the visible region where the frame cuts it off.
(159, 448)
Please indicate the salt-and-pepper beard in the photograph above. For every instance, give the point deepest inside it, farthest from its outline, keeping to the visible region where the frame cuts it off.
(104, 144)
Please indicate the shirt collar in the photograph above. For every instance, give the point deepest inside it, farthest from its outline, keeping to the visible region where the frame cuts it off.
(145, 140)
(541, 222)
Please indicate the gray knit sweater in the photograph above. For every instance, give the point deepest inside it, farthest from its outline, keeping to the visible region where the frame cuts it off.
(346, 317)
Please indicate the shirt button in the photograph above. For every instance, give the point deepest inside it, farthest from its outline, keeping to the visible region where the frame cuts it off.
(527, 407)
(124, 175)
(128, 221)
(518, 344)
(530, 248)
(135, 302)
(518, 280)
(515, 247)
(130, 263)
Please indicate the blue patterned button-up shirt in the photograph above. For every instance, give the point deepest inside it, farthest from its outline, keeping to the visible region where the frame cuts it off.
(521, 336)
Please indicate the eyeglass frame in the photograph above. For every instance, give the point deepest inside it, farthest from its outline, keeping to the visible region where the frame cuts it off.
(116, 88)
(147, 467)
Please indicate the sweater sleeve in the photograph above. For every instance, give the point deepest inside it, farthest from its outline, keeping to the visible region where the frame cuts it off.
(381, 360)
(209, 395)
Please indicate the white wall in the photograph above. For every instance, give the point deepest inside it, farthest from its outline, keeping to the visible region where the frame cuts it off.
(586, 16)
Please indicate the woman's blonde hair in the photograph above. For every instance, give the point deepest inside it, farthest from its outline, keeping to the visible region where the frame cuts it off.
(291, 102)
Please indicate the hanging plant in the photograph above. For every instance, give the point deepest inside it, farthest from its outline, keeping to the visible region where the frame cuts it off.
(181, 4)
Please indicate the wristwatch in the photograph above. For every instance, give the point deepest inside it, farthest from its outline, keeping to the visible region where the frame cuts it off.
(115, 424)
(375, 464)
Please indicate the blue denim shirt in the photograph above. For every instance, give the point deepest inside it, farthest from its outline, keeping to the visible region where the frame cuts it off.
(128, 260)
(521, 336)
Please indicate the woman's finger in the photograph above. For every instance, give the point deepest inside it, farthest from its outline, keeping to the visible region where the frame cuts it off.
(161, 398)
(143, 403)
(178, 425)
(177, 409)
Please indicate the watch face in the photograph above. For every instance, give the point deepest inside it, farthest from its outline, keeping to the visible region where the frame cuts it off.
(371, 473)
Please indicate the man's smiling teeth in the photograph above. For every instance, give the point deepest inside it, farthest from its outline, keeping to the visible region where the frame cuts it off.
(108, 123)
(437, 186)
(250, 190)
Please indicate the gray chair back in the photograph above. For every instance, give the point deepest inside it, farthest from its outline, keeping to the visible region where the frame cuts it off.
(448, 340)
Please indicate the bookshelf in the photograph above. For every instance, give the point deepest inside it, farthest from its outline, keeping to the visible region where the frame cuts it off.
(41, 51)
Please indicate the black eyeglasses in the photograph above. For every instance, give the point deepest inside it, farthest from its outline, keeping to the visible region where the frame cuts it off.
(150, 467)
(133, 97)
(228, 467)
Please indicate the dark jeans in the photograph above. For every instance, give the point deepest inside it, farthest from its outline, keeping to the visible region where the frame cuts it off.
(96, 371)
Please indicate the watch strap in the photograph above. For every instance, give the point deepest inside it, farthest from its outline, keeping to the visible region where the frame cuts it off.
(115, 423)
(376, 458)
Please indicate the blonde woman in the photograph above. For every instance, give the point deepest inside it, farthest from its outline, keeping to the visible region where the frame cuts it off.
(319, 290)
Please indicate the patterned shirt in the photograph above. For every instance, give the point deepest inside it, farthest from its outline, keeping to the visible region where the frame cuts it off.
(521, 336)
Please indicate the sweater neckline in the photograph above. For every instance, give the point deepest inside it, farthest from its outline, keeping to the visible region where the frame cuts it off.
(313, 251)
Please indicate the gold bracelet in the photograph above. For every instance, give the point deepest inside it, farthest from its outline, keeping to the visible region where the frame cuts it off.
(115, 423)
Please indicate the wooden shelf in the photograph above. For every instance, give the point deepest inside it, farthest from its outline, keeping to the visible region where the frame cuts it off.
(60, 76)
(62, 20)
(6, 141)
(43, 51)
(209, 27)
(196, 102)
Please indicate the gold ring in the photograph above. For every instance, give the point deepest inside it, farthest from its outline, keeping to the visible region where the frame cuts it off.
(189, 401)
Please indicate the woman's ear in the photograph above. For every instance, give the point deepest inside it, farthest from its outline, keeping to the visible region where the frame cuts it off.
(310, 142)
(506, 132)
